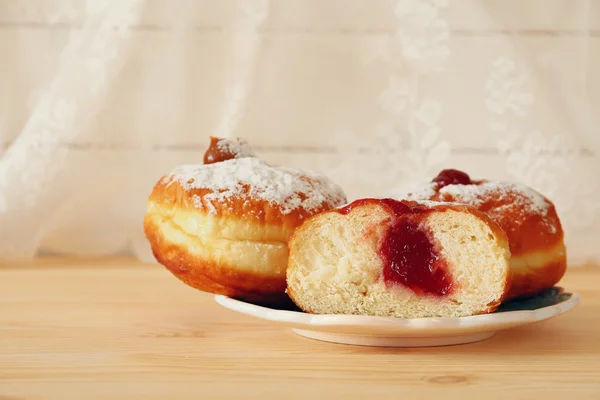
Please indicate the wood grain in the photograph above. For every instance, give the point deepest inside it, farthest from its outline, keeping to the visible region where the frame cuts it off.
(122, 330)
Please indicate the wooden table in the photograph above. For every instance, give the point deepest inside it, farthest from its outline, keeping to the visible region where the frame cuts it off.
(122, 330)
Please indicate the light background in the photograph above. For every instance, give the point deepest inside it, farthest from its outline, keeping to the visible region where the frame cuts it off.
(98, 99)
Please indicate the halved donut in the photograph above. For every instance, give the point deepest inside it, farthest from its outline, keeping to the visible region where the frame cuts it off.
(385, 257)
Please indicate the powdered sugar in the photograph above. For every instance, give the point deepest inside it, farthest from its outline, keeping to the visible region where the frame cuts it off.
(197, 200)
(500, 200)
(521, 196)
(238, 147)
(285, 187)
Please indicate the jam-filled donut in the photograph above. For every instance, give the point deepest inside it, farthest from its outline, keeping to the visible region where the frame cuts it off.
(223, 226)
(534, 231)
(404, 259)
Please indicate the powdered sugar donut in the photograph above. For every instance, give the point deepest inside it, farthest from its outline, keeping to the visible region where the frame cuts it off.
(223, 226)
(533, 228)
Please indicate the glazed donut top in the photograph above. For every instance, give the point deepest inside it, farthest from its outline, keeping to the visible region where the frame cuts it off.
(515, 207)
(235, 181)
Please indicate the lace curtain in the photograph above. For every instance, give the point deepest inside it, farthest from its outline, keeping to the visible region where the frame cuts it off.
(99, 98)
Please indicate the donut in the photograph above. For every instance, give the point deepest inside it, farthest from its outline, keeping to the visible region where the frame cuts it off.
(403, 259)
(534, 231)
(222, 226)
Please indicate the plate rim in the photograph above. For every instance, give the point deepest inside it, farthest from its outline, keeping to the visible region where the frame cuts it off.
(426, 323)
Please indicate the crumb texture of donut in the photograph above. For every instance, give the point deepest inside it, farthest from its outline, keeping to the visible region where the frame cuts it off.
(457, 266)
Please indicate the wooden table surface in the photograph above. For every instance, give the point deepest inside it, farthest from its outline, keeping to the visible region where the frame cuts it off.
(123, 330)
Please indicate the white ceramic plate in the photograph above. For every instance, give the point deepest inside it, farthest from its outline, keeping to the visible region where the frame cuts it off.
(418, 332)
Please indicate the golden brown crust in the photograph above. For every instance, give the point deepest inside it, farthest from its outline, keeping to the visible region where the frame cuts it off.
(534, 234)
(527, 231)
(171, 194)
(208, 276)
(210, 223)
(532, 281)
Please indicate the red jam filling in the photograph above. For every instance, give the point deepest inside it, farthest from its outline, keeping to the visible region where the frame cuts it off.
(409, 252)
(452, 177)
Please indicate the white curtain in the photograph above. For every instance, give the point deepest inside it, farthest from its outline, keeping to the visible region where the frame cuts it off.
(99, 98)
